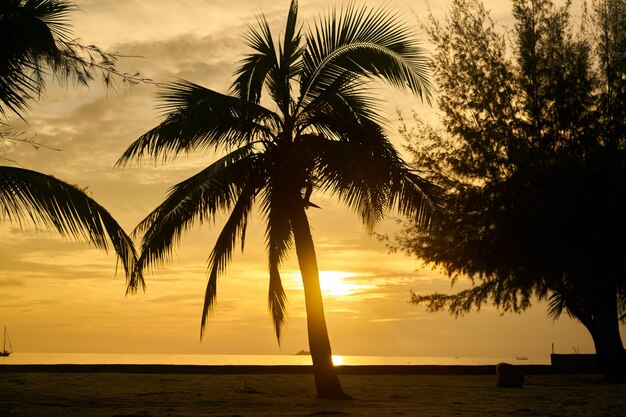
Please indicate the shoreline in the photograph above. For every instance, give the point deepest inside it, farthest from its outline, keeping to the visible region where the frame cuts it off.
(529, 369)
(67, 394)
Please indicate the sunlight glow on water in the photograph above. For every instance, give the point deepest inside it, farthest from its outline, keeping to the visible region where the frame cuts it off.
(183, 359)
(337, 360)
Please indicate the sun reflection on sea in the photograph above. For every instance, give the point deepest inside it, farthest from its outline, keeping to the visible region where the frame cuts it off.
(337, 360)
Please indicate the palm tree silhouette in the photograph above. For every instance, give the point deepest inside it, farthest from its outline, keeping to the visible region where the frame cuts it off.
(36, 43)
(327, 138)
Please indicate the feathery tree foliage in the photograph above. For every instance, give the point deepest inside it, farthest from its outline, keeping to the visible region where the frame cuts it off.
(534, 158)
(37, 44)
(323, 134)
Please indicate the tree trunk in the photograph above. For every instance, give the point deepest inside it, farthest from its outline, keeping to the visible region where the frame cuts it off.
(609, 347)
(326, 380)
(587, 316)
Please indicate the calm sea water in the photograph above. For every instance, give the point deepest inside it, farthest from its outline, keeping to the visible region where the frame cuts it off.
(184, 359)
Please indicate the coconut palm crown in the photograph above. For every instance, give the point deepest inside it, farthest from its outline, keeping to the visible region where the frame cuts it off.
(322, 134)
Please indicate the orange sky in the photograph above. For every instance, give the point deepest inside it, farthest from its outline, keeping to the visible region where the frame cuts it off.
(60, 296)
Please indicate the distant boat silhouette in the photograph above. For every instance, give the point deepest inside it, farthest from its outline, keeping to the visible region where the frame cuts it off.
(303, 353)
(6, 352)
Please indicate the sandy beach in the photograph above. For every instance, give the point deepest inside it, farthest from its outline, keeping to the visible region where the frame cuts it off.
(113, 394)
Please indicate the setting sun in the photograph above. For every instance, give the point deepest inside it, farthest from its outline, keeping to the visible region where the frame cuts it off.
(336, 283)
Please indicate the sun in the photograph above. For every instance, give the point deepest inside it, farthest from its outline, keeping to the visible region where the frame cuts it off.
(334, 283)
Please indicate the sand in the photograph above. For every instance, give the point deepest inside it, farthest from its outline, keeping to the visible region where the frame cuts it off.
(50, 394)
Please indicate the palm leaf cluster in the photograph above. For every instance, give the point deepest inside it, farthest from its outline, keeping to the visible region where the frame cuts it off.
(31, 197)
(321, 133)
(35, 45)
(38, 45)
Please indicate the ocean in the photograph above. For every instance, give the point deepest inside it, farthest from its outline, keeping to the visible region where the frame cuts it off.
(195, 359)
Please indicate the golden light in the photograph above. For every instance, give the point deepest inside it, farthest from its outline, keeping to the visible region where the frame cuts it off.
(334, 283)
(337, 360)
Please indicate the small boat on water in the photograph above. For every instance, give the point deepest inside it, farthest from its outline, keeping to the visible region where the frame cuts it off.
(6, 352)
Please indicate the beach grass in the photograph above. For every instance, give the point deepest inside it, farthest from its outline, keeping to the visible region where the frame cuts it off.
(64, 394)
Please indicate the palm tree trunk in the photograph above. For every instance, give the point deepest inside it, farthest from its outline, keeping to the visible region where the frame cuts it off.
(326, 380)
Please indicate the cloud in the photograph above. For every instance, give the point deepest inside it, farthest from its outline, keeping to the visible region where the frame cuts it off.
(11, 282)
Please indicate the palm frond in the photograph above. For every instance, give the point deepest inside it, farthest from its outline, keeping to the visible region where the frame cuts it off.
(54, 13)
(352, 183)
(199, 198)
(416, 197)
(235, 228)
(254, 68)
(279, 238)
(31, 197)
(344, 100)
(267, 67)
(290, 66)
(28, 32)
(374, 178)
(36, 45)
(199, 118)
(368, 43)
(556, 305)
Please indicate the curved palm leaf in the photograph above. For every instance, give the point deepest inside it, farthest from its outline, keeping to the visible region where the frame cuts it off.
(221, 255)
(289, 64)
(36, 44)
(254, 68)
(198, 198)
(365, 42)
(279, 238)
(45, 201)
(268, 67)
(375, 177)
(346, 100)
(199, 118)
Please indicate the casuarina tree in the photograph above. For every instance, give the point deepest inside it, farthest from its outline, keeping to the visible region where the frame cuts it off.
(534, 158)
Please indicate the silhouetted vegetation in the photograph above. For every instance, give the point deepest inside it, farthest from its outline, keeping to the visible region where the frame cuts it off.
(321, 132)
(533, 157)
(36, 44)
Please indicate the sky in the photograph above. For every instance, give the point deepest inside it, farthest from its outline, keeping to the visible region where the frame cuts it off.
(63, 296)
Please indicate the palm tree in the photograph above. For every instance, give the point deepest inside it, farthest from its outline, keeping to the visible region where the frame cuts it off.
(328, 137)
(36, 44)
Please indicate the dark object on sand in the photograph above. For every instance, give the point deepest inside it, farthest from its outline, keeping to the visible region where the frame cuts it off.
(509, 376)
